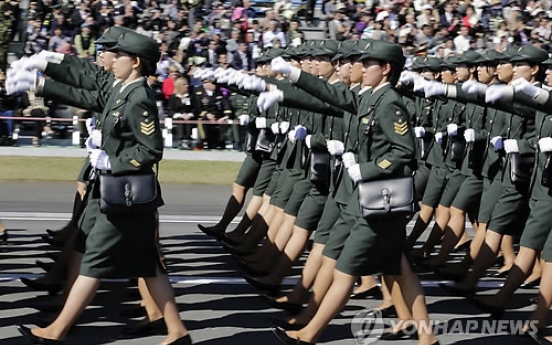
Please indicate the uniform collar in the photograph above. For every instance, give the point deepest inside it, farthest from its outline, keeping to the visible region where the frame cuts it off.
(141, 79)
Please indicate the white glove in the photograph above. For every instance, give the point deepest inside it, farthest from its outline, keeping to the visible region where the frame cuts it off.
(90, 145)
(439, 138)
(235, 78)
(275, 128)
(469, 135)
(545, 145)
(419, 84)
(197, 73)
(522, 85)
(348, 159)
(96, 137)
(452, 129)
(419, 132)
(254, 84)
(335, 147)
(495, 92)
(89, 125)
(177, 116)
(100, 160)
(52, 57)
(435, 88)
(217, 74)
(260, 122)
(354, 173)
(267, 99)
(511, 146)
(280, 65)
(291, 135)
(244, 119)
(300, 132)
(473, 87)
(497, 143)
(308, 140)
(225, 77)
(36, 61)
(407, 77)
(284, 127)
(21, 81)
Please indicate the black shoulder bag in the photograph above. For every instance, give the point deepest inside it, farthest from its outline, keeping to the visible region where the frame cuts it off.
(384, 199)
(319, 167)
(127, 194)
(521, 166)
(457, 142)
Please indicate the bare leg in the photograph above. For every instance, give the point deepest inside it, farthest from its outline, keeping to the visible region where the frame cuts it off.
(414, 297)
(403, 311)
(386, 287)
(424, 217)
(152, 310)
(366, 283)
(321, 286)
(163, 294)
(545, 297)
(536, 273)
(81, 294)
(508, 253)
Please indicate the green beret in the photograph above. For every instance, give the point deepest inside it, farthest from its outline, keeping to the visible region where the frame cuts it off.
(361, 47)
(273, 53)
(384, 51)
(468, 57)
(140, 45)
(531, 54)
(433, 63)
(510, 52)
(449, 62)
(111, 35)
(327, 48)
(547, 62)
(490, 56)
(344, 49)
(418, 63)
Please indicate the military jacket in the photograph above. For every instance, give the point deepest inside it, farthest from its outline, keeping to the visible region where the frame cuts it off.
(214, 104)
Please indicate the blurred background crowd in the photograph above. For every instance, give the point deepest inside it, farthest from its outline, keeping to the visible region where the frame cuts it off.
(234, 33)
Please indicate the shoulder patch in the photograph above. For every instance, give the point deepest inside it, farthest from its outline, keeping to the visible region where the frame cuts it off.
(147, 128)
(384, 164)
(135, 163)
(401, 127)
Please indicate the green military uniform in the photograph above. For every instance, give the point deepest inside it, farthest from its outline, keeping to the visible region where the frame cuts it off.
(363, 248)
(116, 245)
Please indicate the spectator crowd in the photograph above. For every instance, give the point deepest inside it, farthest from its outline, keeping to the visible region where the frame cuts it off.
(233, 34)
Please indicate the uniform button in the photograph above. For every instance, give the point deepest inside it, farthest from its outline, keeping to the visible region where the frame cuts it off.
(508, 128)
(490, 121)
(538, 136)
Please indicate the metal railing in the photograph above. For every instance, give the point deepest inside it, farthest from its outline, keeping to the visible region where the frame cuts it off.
(167, 125)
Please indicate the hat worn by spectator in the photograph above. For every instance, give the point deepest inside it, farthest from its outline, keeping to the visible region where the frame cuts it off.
(140, 45)
(531, 54)
(427, 7)
(111, 35)
(384, 51)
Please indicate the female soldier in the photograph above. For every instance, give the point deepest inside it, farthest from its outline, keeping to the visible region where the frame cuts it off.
(390, 153)
(115, 245)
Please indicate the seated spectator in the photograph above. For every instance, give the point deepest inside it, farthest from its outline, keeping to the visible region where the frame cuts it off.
(273, 32)
(294, 36)
(8, 106)
(32, 106)
(242, 60)
(181, 108)
(84, 43)
(232, 43)
(168, 83)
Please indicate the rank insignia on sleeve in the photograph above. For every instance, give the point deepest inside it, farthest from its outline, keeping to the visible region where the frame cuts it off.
(401, 128)
(147, 128)
(384, 164)
(135, 163)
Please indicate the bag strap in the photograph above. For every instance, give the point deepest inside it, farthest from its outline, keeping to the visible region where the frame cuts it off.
(368, 130)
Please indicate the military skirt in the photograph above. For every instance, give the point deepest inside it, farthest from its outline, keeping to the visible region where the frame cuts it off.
(249, 171)
(285, 186)
(420, 181)
(455, 179)
(469, 195)
(300, 192)
(436, 184)
(510, 213)
(265, 175)
(539, 223)
(311, 209)
(330, 215)
(489, 197)
(117, 246)
(364, 247)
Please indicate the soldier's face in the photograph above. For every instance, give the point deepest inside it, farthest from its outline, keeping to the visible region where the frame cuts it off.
(525, 71)
(462, 73)
(548, 72)
(124, 65)
(344, 71)
(260, 70)
(504, 72)
(313, 66)
(107, 61)
(356, 72)
(373, 73)
(485, 73)
(325, 67)
(448, 77)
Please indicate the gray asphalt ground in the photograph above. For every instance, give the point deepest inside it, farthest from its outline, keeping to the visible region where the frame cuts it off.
(217, 305)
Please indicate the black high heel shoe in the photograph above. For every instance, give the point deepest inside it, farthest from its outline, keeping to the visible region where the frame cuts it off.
(185, 340)
(284, 338)
(374, 292)
(44, 265)
(531, 284)
(293, 308)
(52, 289)
(4, 237)
(210, 232)
(283, 324)
(407, 332)
(26, 332)
(496, 312)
